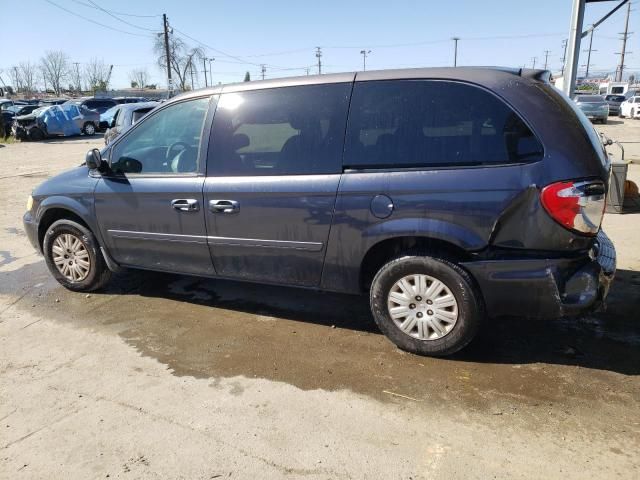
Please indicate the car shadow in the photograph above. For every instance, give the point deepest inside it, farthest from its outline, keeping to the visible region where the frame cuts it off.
(608, 340)
(611, 121)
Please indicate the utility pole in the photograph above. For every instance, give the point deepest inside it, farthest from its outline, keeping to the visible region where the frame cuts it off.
(307, 70)
(533, 62)
(77, 64)
(319, 57)
(191, 71)
(211, 60)
(364, 54)
(586, 73)
(564, 55)
(455, 51)
(263, 70)
(546, 58)
(17, 77)
(165, 25)
(625, 35)
(204, 70)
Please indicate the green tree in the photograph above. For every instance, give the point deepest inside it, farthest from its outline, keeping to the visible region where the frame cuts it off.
(247, 77)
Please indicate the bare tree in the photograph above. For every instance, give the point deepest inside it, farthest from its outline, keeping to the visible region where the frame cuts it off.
(183, 59)
(28, 72)
(16, 78)
(140, 77)
(55, 68)
(97, 75)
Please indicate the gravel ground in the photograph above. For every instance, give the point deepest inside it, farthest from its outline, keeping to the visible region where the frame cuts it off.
(163, 376)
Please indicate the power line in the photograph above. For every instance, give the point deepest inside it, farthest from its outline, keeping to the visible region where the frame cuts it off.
(94, 21)
(120, 19)
(119, 13)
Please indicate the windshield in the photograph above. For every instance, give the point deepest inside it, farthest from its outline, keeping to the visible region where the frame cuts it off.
(615, 98)
(589, 99)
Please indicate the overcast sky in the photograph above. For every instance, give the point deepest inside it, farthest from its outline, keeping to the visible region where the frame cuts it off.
(283, 34)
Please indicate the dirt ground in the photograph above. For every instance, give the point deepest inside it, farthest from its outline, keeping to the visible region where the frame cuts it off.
(163, 376)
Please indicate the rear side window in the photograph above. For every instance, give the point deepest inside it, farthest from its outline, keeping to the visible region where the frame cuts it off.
(429, 123)
(280, 131)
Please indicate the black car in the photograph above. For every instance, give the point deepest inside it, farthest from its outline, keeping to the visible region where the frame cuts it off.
(448, 196)
(99, 105)
(614, 102)
(121, 100)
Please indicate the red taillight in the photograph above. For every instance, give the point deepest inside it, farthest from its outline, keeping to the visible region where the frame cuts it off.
(578, 206)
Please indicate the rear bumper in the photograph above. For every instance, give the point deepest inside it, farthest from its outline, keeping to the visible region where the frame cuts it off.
(547, 288)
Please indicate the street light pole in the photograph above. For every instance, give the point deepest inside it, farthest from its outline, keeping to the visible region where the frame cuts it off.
(455, 51)
(364, 54)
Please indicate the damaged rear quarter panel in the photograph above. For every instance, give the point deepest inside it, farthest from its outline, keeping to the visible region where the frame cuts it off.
(460, 206)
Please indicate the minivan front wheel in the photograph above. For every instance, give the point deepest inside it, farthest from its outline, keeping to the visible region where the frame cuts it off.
(73, 257)
(426, 305)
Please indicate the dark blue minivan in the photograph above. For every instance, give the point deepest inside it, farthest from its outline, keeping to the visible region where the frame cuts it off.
(448, 195)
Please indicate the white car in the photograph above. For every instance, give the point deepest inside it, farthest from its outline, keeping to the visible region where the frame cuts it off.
(630, 107)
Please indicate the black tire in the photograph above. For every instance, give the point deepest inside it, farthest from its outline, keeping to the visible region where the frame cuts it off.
(98, 274)
(36, 134)
(89, 128)
(469, 304)
(605, 120)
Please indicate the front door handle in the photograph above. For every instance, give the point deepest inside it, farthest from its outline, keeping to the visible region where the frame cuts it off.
(224, 206)
(185, 204)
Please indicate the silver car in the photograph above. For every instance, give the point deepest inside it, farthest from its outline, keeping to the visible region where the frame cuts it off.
(595, 107)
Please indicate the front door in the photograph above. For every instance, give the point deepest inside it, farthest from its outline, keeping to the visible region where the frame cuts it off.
(150, 208)
(273, 172)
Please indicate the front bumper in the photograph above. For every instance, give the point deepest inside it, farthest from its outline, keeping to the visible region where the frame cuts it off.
(547, 288)
(31, 229)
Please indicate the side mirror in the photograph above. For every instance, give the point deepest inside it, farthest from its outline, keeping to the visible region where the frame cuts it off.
(94, 159)
(609, 142)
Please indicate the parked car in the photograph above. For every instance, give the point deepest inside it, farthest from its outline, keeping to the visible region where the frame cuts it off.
(126, 116)
(4, 104)
(121, 100)
(107, 117)
(595, 107)
(614, 102)
(99, 105)
(450, 195)
(46, 102)
(630, 107)
(22, 109)
(66, 119)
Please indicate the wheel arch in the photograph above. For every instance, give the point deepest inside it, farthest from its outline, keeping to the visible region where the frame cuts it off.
(385, 250)
(53, 209)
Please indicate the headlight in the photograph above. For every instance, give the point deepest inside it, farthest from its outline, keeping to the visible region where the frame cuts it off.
(29, 203)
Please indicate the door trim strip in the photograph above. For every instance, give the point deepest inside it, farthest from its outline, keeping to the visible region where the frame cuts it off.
(224, 241)
(259, 242)
(162, 237)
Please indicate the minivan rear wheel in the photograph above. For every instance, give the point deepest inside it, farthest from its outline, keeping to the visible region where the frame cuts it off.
(73, 256)
(89, 128)
(426, 305)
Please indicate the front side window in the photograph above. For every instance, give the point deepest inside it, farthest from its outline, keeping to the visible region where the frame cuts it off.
(280, 131)
(165, 143)
(423, 123)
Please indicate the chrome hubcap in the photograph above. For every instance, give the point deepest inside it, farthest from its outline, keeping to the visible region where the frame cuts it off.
(71, 257)
(422, 307)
